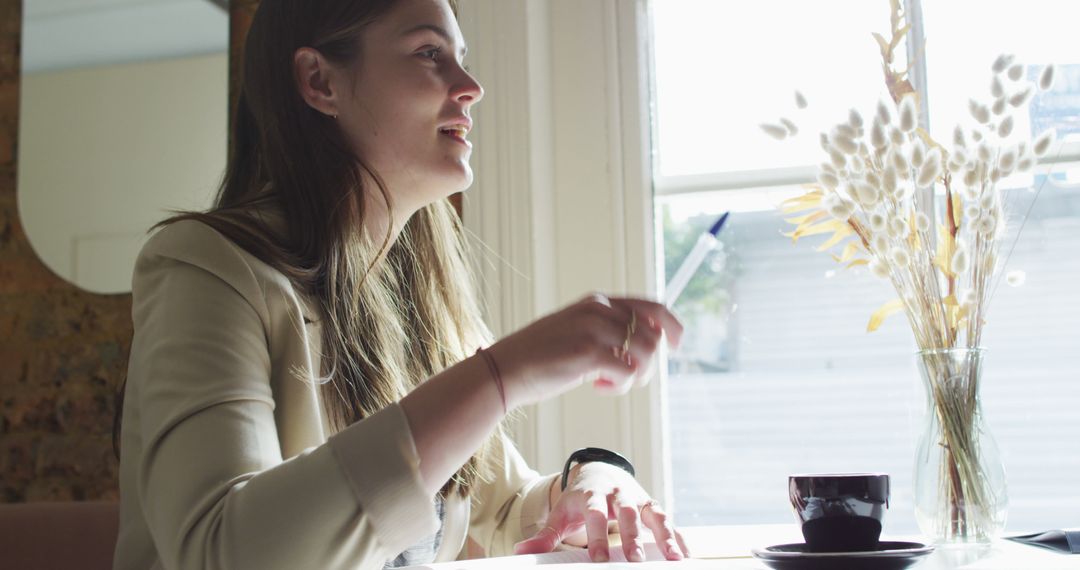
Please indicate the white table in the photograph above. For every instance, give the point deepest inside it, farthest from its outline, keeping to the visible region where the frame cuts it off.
(729, 547)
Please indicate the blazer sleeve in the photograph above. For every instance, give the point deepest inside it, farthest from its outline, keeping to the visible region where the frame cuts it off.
(512, 506)
(215, 490)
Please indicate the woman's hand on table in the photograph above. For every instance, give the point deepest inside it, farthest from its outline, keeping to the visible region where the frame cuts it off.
(599, 493)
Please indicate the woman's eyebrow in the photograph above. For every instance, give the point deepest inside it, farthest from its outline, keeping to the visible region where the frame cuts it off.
(438, 30)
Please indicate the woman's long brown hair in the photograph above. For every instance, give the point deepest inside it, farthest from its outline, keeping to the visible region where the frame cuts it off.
(392, 314)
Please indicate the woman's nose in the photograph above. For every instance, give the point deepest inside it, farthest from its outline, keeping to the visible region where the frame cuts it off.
(468, 89)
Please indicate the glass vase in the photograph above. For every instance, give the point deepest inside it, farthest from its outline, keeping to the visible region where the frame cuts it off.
(960, 489)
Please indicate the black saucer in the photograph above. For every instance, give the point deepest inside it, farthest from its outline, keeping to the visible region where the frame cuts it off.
(887, 556)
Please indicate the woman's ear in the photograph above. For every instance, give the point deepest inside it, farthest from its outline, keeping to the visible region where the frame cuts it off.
(314, 76)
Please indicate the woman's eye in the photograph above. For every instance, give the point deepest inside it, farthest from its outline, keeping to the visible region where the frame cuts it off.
(432, 54)
(435, 53)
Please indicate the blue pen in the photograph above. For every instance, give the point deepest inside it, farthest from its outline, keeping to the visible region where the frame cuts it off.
(706, 243)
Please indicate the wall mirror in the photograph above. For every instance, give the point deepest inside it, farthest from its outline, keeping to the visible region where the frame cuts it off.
(123, 116)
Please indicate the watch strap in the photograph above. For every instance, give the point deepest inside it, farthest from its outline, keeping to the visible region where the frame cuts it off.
(590, 454)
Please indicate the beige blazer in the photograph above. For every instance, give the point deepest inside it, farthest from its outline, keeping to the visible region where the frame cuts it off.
(227, 459)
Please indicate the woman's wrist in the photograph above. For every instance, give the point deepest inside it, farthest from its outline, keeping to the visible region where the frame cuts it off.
(450, 415)
(556, 490)
(488, 384)
(496, 375)
(509, 375)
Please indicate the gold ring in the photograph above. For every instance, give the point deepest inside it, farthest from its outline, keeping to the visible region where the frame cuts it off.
(630, 329)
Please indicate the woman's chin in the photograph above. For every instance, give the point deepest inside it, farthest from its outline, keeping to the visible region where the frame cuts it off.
(460, 180)
(445, 189)
(443, 183)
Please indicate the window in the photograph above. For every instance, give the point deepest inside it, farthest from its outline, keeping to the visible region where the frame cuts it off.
(777, 374)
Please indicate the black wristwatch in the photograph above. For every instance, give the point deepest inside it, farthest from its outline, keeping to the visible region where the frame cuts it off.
(588, 454)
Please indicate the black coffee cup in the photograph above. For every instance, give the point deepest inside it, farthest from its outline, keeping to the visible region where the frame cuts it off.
(840, 512)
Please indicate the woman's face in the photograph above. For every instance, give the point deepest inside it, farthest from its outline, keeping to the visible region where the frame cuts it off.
(408, 113)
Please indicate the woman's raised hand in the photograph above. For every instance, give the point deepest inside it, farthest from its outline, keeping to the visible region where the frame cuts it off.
(611, 340)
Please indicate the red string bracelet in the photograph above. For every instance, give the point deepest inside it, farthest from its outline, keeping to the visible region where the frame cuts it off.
(494, 368)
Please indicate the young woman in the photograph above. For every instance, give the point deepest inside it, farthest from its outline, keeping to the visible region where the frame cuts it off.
(305, 388)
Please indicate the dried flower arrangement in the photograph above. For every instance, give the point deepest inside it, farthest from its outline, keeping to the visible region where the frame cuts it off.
(875, 196)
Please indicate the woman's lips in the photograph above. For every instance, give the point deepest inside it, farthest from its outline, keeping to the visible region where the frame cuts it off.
(457, 135)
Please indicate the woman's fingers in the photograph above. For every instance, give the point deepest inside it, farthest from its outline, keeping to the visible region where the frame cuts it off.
(596, 526)
(645, 324)
(547, 538)
(656, 314)
(543, 541)
(603, 330)
(663, 532)
(616, 373)
(633, 325)
(626, 512)
(682, 544)
(643, 348)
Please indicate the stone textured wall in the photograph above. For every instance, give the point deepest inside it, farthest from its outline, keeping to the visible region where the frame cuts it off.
(63, 351)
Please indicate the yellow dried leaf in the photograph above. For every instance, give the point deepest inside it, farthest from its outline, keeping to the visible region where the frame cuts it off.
(883, 313)
(837, 237)
(930, 142)
(882, 43)
(898, 35)
(946, 249)
(807, 201)
(849, 251)
(800, 208)
(814, 193)
(815, 229)
(914, 241)
(807, 218)
(957, 208)
(903, 88)
(954, 314)
(856, 262)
